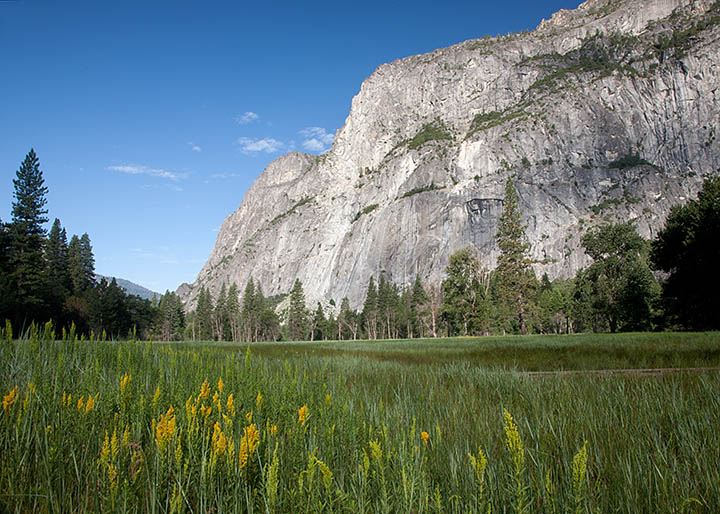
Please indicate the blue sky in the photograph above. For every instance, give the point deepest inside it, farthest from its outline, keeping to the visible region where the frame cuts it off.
(152, 119)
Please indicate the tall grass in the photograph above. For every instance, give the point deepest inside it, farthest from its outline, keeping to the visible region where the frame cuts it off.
(342, 433)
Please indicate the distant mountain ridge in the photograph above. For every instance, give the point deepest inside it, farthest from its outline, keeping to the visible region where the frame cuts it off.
(605, 112)
(131, 288)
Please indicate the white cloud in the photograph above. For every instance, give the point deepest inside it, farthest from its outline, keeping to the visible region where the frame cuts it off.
(251, 145)
(226, 175)
(316, 139)
(133, 169)
(248, 117)
(194, 147)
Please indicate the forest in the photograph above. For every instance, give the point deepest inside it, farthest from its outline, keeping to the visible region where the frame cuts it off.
(669, 283)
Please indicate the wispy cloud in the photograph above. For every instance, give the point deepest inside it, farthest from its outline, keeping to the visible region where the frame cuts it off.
(194, 147)
(226, 175)
(248, 117)
(316, 139)
(252, 145)
(134, 169)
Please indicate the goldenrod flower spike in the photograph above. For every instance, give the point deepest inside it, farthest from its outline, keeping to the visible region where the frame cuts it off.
(425, 437)
(9, 399)
(303, 414)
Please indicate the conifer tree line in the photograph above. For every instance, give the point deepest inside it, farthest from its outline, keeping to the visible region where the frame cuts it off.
(671, 282)
(618, 291)
(46, 277)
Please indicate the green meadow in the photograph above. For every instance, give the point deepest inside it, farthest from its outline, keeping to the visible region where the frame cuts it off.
(447, 425)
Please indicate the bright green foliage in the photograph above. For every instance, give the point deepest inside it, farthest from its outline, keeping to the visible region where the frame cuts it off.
(27, 237)
(618, 288)
(297, 316)
(465, 308)
(688, 248)
(515, 281)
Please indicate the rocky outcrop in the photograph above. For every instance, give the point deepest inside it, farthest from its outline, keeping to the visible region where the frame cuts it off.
(606, 111)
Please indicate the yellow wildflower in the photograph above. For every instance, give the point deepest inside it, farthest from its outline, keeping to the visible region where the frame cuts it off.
(124, 382)
(302, 414)
(579, 469)
(204, 390)
(425, 437)
(81, 403)
(273, 430)
(156, 398)
(221, 385)
(218, 439)
(259, 401)
(231, 405)
(114, 445)
(252, 435)
(514, 443)
(105, 451)
(90, 405)
(165, 429)
(126, 436)
(248, 416)
(243, 453)
(9, 399)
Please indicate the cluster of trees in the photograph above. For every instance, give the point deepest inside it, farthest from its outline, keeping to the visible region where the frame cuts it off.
(632, 284)
(44, 277)
(619, 291)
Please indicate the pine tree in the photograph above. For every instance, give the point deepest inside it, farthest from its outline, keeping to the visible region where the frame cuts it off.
(233, 312)
(249, 317)
(220, 314)
(317, 324)
(27, 236)
(203, 315)
(56, 269)
(515, 279)
(81, 264)
(297, 322)
(370, 311)
(418, 308)
(7, 298)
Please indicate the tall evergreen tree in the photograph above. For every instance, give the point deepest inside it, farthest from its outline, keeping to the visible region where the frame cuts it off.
(203, 315)
(170, 320)
(250, 316)
(297, 318)
(348, 322)
(233, 312)
(220, 314)
(418, 309)
(27, 236)
(81, 264)
(56, 269)
(7, 298)
(515, 279)
(370, 311)
(317, 324)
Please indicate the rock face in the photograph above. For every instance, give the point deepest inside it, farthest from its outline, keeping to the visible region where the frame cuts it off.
(609, 111)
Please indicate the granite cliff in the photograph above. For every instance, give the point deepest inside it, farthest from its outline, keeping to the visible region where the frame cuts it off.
(608, 111)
